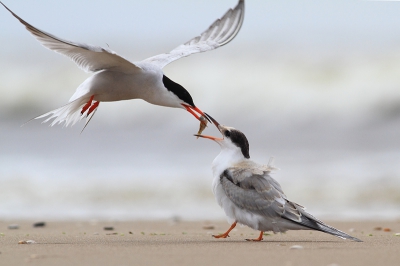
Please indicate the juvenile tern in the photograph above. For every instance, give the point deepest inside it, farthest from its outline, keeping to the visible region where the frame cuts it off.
(250, 196)
(115, 78)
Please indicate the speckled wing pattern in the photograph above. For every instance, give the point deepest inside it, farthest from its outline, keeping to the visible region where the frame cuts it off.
(89, 58)
(221, 32)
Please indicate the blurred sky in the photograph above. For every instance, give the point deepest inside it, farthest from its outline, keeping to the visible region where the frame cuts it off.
(314, 83)
(296, 52)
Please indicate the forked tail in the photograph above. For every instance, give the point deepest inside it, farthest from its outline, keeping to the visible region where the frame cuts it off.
(72, 112)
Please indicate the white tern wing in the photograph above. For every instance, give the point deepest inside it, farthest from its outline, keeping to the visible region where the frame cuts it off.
(87, 57)
(221, 32)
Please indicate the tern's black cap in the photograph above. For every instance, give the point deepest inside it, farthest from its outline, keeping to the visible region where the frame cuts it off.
(240, 140)
(178, 90)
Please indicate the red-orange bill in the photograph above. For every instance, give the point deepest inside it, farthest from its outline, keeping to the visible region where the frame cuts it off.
(192, 109)
(208, 137)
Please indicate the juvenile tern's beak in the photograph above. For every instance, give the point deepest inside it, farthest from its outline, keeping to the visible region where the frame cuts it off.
(208, 137)
(213, 120)
(216, 124)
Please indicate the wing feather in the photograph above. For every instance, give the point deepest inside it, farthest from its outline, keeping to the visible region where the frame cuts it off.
(261, 194)
(89, 58)
(221, 32)
(258, 193)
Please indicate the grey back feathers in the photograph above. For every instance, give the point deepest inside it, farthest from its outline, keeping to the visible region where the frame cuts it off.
(260, 194)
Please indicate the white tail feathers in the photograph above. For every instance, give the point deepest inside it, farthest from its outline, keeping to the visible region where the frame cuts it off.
(69, 114)
(271, 164)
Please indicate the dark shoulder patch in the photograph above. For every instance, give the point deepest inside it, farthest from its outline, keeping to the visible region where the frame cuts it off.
(240, 140)
(178, 90)
(228, 176)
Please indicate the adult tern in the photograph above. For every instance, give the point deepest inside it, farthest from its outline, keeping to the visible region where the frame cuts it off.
(115, 78)
(250, 196)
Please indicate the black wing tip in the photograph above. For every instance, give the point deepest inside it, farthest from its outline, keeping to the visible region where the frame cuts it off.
(355, 239)
(322, 227)
(340, 234)
(7, 8)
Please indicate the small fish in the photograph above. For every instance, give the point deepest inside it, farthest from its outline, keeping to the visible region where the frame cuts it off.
(203, 124)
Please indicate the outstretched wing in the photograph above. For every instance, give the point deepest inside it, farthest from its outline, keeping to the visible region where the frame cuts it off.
(87, 57)
(221, 32)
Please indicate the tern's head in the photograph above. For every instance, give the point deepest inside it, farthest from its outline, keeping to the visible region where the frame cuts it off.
(232, 139)
(184, 98)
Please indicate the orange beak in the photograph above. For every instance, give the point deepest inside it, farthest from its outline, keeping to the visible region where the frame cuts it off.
(208, 137)
(193, 110)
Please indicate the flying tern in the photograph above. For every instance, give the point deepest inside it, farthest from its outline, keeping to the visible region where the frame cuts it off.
(115, 78)
(250, 196)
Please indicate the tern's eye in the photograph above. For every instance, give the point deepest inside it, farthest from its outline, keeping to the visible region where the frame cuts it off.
(227, 133)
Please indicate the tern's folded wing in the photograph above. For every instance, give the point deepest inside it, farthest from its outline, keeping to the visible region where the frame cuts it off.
(256, 193)
(221, 32)
(87, 57)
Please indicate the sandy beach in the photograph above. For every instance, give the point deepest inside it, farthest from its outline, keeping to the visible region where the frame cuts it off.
(190, 243)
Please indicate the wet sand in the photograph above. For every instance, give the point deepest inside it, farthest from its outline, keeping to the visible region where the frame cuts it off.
(190, 243)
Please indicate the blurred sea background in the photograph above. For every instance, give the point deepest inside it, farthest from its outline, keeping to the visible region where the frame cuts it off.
(315, 84)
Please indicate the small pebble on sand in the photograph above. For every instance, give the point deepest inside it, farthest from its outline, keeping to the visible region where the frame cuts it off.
(13, 226)
(208, 227)
(39, 224)
(296, 247)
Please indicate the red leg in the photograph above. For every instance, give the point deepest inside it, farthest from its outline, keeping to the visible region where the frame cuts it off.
(257, 239)
(87, 105)
(93, 107)
(226, 234)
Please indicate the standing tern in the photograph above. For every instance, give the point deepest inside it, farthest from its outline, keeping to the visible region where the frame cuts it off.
(250, 196)
(115, 78)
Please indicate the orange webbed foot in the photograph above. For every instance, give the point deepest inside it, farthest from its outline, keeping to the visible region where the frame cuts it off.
(221, 236)
(226, 234)
(260, 238)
